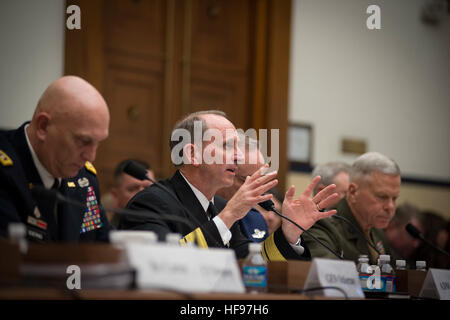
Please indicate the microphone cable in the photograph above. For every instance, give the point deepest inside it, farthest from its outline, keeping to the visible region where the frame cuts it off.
(269, 205)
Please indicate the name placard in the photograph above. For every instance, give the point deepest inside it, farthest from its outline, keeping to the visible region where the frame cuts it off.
(339, 274)
(185, 269)
(436, 284)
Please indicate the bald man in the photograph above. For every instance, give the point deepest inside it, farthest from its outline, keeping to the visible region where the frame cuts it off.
(55, 150)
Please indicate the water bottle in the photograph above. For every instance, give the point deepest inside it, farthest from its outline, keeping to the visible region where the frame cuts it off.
(364, 270)
(17, 234)
(387, 273)
(421, 266)
(254, 270)
(400, 265)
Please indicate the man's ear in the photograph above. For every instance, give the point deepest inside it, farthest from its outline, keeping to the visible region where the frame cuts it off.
(41, 122)
(351, 192)
(191, 152)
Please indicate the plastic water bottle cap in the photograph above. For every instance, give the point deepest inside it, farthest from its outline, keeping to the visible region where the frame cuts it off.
(385, 257)
(421, 264)
(400, 263)
(254, 247)
(16, 230)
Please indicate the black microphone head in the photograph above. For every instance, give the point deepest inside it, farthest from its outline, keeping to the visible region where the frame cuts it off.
(135, 170)
(267, 205)
(413, 231)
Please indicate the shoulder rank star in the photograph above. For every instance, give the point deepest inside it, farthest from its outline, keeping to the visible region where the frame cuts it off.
(258, 234)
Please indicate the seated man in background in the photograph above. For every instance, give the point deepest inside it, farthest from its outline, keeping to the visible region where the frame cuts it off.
(333, 172)
(435, 230)
(401, 242)
(369, 206)
(54, 150)
(255, 224)
(207, 163)
(126, 186)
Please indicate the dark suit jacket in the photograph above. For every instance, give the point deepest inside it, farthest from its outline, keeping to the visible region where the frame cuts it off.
(157, 201)
(18, 175)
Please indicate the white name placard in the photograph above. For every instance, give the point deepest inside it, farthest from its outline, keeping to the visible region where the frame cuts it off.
(436, 284)
(340, 274)
(185, 269)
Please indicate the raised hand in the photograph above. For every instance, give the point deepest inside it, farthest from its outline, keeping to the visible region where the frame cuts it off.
(304, 210)
(248, 195)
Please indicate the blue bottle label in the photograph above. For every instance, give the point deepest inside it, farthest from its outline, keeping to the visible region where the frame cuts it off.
(255, 276)
(383, 283)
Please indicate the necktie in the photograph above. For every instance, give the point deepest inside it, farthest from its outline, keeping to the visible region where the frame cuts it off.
(212, 211)
(373, 253)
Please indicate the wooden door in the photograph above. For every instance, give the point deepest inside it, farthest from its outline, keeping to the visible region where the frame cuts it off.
(155, 61)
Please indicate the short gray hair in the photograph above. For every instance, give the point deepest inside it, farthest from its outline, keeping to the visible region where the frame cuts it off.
(328, 171)
(188, 123)
(370, 162)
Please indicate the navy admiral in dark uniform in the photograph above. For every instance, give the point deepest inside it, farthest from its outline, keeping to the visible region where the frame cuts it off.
(55, 150)
(191, 194)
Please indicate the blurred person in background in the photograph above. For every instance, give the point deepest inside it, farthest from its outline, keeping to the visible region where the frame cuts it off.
(434, 230)
(337, 173)
(126, 186)
(402, 243)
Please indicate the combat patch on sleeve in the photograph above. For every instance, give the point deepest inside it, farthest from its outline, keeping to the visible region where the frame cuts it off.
(5, 160)
(90, 167)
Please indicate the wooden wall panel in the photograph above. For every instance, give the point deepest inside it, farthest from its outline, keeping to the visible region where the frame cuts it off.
(135, 128)
(156, 60)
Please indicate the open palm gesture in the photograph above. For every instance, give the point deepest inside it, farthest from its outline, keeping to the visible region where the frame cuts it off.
(304, 210)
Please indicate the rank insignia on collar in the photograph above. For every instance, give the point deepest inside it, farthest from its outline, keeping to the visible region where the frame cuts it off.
(71, 184)
(4, 159)
(83, 182)
(258, 234)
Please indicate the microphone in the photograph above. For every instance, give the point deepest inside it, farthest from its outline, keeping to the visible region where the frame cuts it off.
(56, 196)
(270, 206)
(140, 172)
(415, 233)
(357, 230)
(137, 171)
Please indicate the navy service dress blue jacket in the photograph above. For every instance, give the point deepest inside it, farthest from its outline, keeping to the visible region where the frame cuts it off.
(254, 226)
